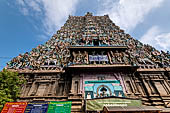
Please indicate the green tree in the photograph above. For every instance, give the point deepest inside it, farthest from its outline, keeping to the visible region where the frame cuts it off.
(10, 85)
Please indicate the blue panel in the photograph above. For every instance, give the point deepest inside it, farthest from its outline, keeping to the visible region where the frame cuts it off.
(118, 88)
(36, 107)
(93, 58)
(103, 58)
(88, 88)
(98, 58)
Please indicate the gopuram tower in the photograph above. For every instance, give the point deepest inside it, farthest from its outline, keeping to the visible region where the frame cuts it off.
(92, 58)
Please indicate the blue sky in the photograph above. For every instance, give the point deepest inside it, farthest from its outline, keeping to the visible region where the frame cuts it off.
(24, 24)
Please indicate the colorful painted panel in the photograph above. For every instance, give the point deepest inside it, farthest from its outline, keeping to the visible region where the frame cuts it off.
(59, 107)
(14, 107)
(37, 107)
(103, 88)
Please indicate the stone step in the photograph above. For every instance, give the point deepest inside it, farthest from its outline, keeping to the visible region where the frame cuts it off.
(146, 103)
(158, 103)
(76, 102)
(73, 98)
(76, 108)
(166, 98)
(145, 99)
(77, 112)
(156, 99)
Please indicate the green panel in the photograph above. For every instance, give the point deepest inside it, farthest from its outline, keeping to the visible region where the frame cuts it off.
(59, 107)
(102, 81)
(98, 104)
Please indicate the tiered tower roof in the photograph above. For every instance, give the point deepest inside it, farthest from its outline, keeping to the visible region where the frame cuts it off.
(88, 32)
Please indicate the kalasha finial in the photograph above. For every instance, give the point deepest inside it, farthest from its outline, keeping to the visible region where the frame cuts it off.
(89, 14)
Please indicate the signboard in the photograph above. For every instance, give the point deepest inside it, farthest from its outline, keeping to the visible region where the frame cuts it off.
(98, 58)
(98, 104)
(93, 58)
(14, 107)
(102, 57)
(59, 107)
(37, 107)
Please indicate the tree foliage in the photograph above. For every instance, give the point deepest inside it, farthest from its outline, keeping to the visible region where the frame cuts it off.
(10, 85)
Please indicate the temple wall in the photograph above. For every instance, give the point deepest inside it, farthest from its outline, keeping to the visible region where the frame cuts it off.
(152, 87)
(45, 85)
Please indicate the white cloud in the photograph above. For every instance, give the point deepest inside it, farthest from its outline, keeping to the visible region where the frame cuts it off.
(52, 13)
(20, 2)
(57, 12)
(34, 5)
(157, 38)
(128, 13)
(25, 11)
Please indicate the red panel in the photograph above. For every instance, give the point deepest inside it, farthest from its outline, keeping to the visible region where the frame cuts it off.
(14, 107)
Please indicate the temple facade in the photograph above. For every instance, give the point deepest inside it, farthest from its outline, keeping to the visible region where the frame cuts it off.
(91, 58)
